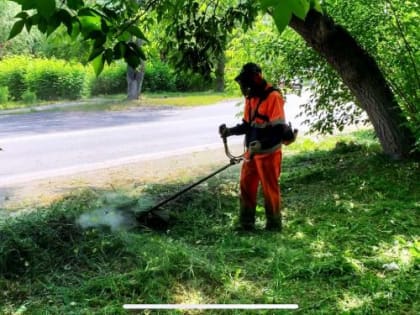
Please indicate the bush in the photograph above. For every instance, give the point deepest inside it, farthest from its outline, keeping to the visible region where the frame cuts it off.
(56, 79)
(48, 79)
(4, 94)
(29, 97)
(12, 74)
(186, 81)
(158, 76)
(30, 79)
(111, 81)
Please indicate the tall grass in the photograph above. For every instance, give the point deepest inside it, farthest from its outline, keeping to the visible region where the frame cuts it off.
(350, 214)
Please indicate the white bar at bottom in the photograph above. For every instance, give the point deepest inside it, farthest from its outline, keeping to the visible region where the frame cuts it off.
(210, 306)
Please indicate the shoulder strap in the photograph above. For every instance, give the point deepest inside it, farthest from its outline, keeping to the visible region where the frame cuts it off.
(256, 114)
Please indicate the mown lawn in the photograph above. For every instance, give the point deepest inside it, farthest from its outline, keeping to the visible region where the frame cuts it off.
(350, 243)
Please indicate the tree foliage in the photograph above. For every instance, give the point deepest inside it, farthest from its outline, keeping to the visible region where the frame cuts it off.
(375, 25)
(24, 43)
(198, 31)
(107, 25)
(56, 45)
(386, 30)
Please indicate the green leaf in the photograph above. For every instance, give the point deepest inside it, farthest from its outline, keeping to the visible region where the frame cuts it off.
(28, 24)
(35, 19)
(282, 15)
(316, 5)
(90, 24)
(65, 18)
(124, 37)
(109, 56)
(46, 7)
(75, 4)
(53, 23)
(86, 12)
(265, 4)
(137, 50)
(16, 29)
(131, 58)
(27, 4)
(98, 64)
(75, 29)
(42, 25)
(93, 35)
(110, 14)
(134, 30)
(104, 25)
(119, 50)
(95, 53)
(21, 15)
(100, 39)
(299, 7)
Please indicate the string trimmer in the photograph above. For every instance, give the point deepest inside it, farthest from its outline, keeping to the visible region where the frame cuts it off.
(155, 218)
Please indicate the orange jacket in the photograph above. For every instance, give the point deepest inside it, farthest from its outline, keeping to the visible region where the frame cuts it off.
(272, 109)
(266, 120)
(263, 122)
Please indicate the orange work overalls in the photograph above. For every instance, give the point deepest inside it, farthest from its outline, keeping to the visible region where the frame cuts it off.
(264, 168)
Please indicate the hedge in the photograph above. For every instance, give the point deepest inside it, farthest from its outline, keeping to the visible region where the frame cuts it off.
(49, 79)
(158, 76)
(111, 81)
(53, 79)
(12, 75)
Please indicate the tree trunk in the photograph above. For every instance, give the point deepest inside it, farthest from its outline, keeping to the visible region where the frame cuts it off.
(135, 79)
(220, 74)
(362, 76)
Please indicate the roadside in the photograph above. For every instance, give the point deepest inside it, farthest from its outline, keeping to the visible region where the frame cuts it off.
(30, 194)
(37, 193)
(52, 106)
(120, 102)
(157, 169)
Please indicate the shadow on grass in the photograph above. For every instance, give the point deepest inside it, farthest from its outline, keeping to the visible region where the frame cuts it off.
(350, 245)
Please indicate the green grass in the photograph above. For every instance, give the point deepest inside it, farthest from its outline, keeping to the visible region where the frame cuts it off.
(348, 211)
(187, 99)
(119, 102)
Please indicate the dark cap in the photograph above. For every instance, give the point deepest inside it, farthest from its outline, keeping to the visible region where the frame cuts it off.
(247, 71)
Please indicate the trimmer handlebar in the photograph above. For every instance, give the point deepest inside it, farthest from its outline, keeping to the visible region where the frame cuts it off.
(233, 159)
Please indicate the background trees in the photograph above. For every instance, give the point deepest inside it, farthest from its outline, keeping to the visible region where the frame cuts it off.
(380, 75)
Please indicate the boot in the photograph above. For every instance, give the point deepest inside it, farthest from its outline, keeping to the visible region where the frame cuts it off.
(273, 223)
(246, 219)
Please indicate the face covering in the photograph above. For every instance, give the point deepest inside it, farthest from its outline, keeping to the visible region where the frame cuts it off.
(249, 88)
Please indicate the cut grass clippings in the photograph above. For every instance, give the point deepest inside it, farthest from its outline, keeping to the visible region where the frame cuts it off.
(350, 243)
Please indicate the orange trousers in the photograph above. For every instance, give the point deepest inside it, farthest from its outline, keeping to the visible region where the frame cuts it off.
(264, 169)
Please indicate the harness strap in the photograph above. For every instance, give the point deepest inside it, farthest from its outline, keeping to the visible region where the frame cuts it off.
(262, 99)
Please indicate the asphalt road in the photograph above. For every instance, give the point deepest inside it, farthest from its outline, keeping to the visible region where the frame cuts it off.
(44, 144)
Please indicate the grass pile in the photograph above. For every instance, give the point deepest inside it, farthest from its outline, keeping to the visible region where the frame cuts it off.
(350, 243)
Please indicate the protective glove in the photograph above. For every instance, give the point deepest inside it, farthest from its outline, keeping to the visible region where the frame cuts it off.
(224, 131)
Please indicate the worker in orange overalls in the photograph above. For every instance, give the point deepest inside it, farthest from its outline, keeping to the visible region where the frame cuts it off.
(265, 130)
